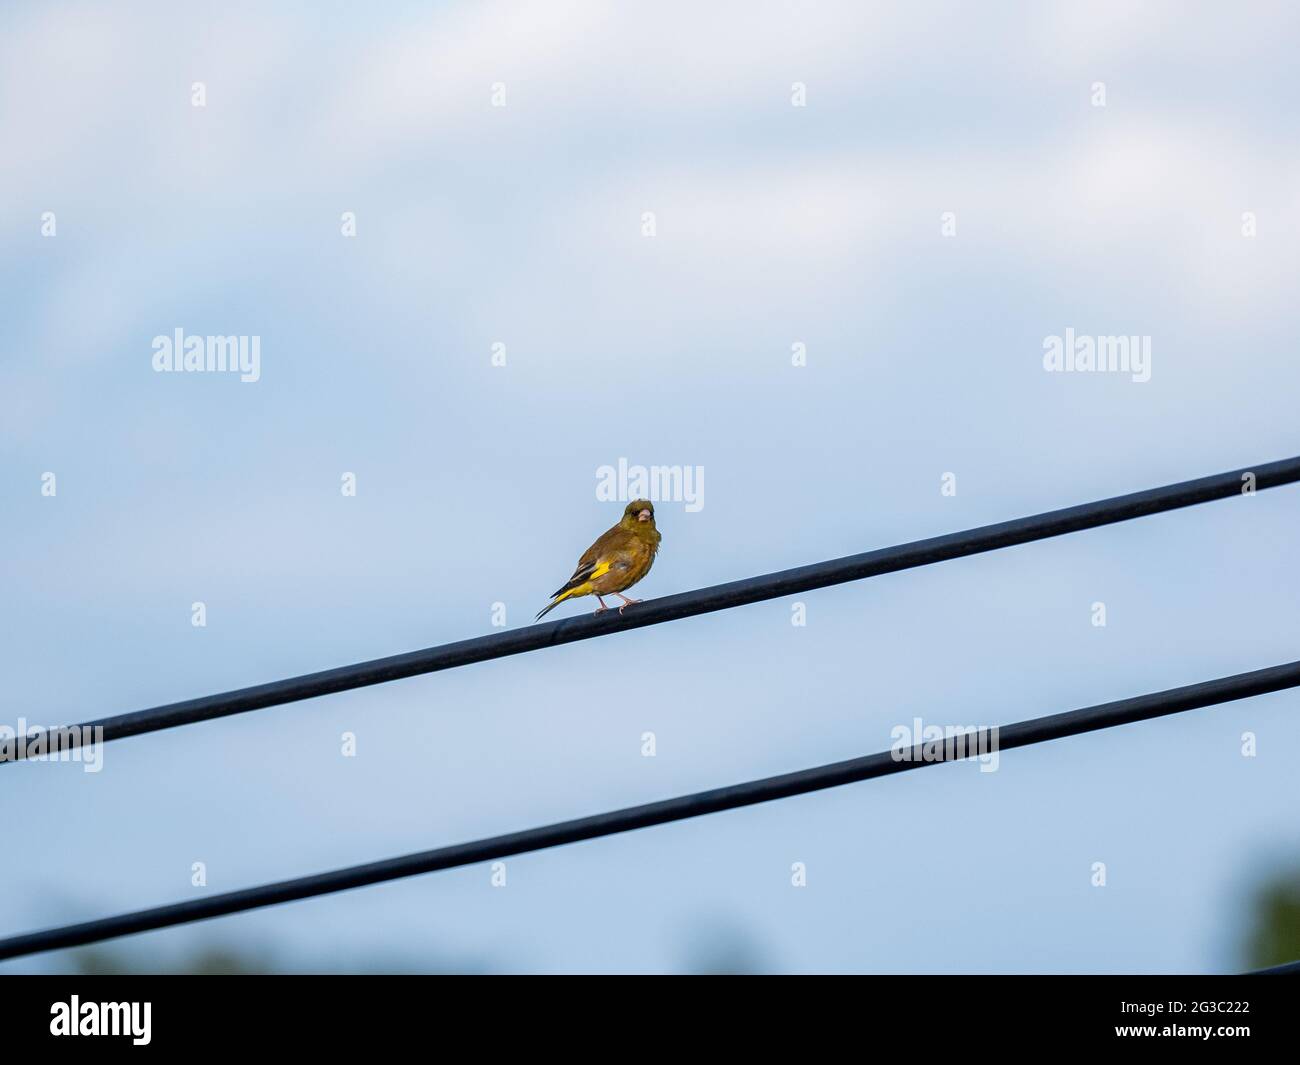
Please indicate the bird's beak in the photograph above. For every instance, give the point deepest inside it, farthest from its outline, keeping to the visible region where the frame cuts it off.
(644, 515)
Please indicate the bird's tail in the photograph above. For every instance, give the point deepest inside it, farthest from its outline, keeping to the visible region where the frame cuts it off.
(554, 603)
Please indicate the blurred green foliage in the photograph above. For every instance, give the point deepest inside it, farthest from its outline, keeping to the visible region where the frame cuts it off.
(1274, 934)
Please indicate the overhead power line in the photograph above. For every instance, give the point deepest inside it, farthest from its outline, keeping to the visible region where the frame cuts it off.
(704, 600)
(1020, 734)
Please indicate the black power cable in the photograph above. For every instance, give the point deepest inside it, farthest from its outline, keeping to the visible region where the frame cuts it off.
(1037, 730)
(701, 601)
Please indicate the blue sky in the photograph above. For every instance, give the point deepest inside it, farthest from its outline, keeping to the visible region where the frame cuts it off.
(522, 225)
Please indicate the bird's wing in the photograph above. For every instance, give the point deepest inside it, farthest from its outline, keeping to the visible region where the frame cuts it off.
(597, 559)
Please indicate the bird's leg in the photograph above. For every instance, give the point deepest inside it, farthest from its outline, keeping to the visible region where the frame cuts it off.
(602, 608)
(626, 601)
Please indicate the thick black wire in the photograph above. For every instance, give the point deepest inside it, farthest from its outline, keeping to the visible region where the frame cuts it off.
(702, 601)
(1037, 730)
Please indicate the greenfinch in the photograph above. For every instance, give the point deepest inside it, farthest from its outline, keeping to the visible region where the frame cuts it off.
(616, 561)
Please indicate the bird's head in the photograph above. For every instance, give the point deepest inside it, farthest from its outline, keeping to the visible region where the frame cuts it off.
(639, 512)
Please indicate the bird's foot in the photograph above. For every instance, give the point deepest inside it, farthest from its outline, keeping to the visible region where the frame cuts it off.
(626, 602)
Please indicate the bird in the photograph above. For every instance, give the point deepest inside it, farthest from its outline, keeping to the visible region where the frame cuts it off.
(616, 561)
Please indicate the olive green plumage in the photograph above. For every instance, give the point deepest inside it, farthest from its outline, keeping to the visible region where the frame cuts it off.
(616, 561)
